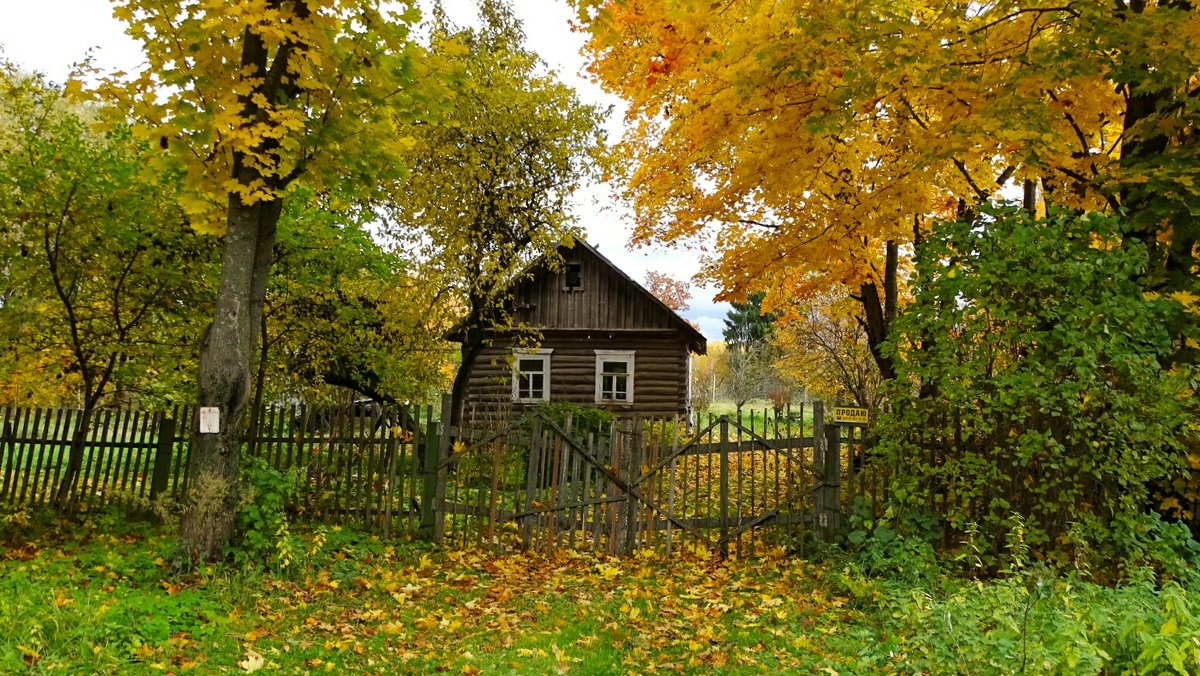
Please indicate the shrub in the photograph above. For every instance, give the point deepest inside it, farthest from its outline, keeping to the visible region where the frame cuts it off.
(1029, 382)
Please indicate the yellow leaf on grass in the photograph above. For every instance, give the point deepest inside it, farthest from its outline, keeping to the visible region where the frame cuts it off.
(252, 663)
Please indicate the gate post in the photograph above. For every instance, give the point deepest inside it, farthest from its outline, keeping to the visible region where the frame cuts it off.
(831, 512)
(433, 489)
(725, 486)
(818, 465)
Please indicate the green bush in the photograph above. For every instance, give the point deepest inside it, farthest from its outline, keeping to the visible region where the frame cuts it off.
(1029, 382)
(264, 532)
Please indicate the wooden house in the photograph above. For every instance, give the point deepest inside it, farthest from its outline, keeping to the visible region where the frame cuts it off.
(605, 342)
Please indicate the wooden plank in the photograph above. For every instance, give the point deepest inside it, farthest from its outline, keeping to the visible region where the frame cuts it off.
(98, 427)
(133, 453)
(41, 468)
(577, 496)
(162, 457)
(120, 478)
(30, 450)
(374, 474)
(135, 420)
(111, 451)
(439, 475)
(671, 482)
(831, 503)
(353, 452)
(54, 472)
(724, 488)
(713, 523)
(12, 417)
(145, 469)
(23, 446)
(183, 418)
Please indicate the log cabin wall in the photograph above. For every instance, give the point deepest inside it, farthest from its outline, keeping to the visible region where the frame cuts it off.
(659, 380)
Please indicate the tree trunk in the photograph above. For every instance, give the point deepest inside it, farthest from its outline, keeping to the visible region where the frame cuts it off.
(879, 314)
(472, 345)
(226, 355)
(70, 478)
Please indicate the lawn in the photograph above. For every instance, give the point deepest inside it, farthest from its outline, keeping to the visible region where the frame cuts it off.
(104, 597)
(82, 599)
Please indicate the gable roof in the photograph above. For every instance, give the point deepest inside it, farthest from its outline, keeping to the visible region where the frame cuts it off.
(695, 340)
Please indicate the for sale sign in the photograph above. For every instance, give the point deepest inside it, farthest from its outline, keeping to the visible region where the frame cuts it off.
(849, 415)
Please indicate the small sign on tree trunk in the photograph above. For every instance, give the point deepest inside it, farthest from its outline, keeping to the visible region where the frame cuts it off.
(210, 420)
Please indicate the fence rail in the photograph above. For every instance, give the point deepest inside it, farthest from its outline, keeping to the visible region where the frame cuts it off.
(351, 462)
(731, 483)
(728, 483)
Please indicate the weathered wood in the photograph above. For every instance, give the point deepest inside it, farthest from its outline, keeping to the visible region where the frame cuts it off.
(829, 521)
(162, 458)
(724, 487)
(819, 459)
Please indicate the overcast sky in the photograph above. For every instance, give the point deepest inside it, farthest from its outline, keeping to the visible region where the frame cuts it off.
(50, 35)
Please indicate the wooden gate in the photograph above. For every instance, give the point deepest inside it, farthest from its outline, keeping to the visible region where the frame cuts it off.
(732, 485)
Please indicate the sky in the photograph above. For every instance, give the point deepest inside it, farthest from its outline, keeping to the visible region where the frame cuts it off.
(50, 35)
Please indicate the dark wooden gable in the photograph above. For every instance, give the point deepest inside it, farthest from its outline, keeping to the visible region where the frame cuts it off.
(591, 293)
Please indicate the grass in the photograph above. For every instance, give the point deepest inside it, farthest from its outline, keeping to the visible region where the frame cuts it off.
(107, 599)
(103, 597)
(759, 415)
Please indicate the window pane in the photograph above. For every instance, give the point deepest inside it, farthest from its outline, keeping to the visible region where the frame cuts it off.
(529, 365)
(615, 367)
(574, 274)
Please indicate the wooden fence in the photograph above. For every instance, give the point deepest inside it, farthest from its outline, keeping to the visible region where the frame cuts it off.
(734, 484)
(351, 462)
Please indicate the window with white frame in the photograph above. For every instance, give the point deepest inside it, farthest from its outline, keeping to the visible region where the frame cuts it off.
(531, 375)
(614, 376)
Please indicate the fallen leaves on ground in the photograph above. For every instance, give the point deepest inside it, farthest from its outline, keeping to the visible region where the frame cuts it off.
(377, 608)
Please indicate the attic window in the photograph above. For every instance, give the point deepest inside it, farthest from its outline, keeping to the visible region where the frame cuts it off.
(573, 277)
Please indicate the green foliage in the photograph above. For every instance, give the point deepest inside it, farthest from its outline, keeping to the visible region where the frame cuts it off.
(343, 310)
(898, 547)
(584, 419)
(265, 532)
(102, 287)
(1145, 540)
(1030, 383)
(1033, 622)
(746, 325)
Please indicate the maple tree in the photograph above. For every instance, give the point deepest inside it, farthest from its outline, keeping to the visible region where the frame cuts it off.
(490, 186)
(819, 140)
(99, 297)
(251, 100)
(674, 293)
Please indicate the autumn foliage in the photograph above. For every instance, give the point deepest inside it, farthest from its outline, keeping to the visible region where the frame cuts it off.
(803, 137)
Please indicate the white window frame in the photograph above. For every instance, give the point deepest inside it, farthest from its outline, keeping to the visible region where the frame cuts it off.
(627, 356)
(542, 355)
